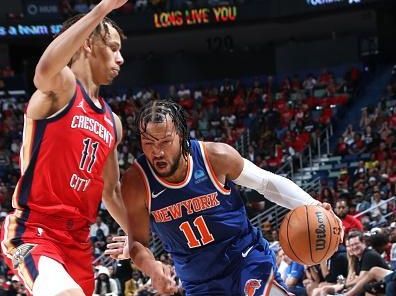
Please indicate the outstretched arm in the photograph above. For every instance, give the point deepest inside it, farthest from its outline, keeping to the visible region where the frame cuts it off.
(229, 164)
(52, 73)
(274, 187)
(374, 274)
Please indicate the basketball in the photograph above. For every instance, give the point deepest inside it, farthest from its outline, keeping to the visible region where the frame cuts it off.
(309, 234)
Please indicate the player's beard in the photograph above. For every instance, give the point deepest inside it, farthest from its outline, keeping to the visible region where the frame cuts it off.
(174, 164)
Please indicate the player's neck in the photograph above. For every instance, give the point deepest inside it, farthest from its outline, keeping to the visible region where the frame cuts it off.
(180, 173)
(85, 77)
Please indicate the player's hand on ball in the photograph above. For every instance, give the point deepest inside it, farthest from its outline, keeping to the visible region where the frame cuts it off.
(328, 207)
(119, 249)
(163, 279)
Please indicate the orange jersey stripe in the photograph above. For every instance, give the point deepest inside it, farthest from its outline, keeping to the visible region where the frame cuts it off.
(211, 171)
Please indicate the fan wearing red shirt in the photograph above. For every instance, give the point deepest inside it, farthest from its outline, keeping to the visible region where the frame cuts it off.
(348, 221)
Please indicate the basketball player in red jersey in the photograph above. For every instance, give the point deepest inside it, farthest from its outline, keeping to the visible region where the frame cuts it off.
(68, 158)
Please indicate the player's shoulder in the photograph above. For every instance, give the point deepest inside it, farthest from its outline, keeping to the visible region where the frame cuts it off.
(224, 159)
(133, 187)
(133, 175)
(219, 150)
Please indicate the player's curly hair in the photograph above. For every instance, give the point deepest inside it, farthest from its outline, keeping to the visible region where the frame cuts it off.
(101, 30)
(156, 111)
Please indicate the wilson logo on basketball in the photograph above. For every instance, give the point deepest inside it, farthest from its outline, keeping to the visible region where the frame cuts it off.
(251, 286)
(320, 242)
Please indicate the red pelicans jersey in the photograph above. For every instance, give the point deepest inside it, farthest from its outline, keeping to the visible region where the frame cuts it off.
(62, 160)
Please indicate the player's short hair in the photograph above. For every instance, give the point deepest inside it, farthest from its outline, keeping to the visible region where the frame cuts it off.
(101, 30)
(156, 111)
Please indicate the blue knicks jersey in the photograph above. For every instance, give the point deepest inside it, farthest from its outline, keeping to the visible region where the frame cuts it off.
(201, 222)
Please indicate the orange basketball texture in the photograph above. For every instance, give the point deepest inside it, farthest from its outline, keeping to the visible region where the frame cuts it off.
(309, 234)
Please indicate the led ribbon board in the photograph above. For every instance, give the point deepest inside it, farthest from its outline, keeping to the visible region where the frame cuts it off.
(329, 2)
(23, 30)
(193, 17)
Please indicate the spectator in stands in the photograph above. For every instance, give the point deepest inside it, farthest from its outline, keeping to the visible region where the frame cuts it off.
(335, 266)
(392, 239)
(362, 203)
(349, 135)
(366, 258)
(99, 241)
(365, 119)
(104, 285)
(14, 287)
(370, 138)
(379, 208)
(293, 277)
(309, 84)
(375, 274)
(325, 289)
(251, 154)
(349, 222)
(133, 285)
(327, 195)
(116, 279)
(378, 239)
(358, 146)
(99, 225)
(328, 272)
(342, 147)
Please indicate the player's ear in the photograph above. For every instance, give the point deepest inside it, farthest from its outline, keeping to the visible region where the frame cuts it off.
(87, 46)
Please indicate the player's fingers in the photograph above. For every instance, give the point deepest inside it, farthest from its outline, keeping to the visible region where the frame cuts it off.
(115, 246)
(113, 252)
(119, 238)
(327, 206)
(167, 270)
(341, 228)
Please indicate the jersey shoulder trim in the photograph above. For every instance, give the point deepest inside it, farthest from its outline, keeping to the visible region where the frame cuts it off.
(212, 175)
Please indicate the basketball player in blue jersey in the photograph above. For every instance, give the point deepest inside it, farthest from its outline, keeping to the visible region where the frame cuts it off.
(186, 190)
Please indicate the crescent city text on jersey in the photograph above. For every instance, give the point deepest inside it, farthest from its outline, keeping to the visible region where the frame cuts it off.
(85, 122)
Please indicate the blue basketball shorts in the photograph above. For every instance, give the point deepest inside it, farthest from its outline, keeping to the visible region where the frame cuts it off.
(253, 273)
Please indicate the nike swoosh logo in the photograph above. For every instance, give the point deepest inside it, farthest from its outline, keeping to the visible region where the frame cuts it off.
(244, 254)
(153, 195)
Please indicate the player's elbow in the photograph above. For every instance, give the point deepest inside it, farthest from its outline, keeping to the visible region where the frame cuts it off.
(38, 80)
(41, 76)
